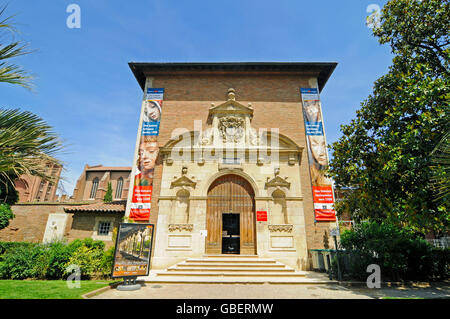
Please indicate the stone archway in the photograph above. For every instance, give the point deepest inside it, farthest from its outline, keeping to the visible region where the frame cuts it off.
(231, 195)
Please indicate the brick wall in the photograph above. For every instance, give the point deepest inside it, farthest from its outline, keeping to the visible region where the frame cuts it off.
(31, 219)
(29, 222)
(276, 101)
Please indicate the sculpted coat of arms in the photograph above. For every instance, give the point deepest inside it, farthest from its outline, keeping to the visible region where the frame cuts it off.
(231, 129)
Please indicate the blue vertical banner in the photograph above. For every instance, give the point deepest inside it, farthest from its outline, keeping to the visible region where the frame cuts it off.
(147, 155)
(152, 112)
(317, 155)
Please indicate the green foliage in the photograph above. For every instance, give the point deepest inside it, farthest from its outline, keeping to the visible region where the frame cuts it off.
(5, 215)
(11, 73)
(400, 254)
(440, 181)
(50, 261)
(59, 255)
(23, 262)
(384, 153)
(8, 245)
(88, 259)
(27, 145)
(108, 196)
(8, 193)
(107, 261)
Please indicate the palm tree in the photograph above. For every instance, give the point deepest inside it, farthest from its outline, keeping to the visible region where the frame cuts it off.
(11, 73)
(27, 142)
(27, 145)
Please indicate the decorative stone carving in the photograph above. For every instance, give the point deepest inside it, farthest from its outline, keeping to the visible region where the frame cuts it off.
(207, 137)
(231, 129)
(281, 228)
(253, 137)
(181, 227)
(292, 159)
(183, 181)
(277, 181)
(260, 161)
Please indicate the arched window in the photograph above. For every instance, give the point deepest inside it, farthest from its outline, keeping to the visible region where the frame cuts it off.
(119, 188)
(94, 188)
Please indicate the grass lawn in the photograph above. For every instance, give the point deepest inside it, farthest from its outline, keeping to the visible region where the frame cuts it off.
(47, 289)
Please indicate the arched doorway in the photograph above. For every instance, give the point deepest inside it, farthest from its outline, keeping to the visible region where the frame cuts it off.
(230, 217)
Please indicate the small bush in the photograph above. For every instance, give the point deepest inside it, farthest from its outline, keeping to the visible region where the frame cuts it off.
(89, 260)
(107, 261)
(59, 256)
(22, 260)
(400, 254)
(5, 215)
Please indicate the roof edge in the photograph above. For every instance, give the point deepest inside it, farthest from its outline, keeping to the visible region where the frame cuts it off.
(324, 69)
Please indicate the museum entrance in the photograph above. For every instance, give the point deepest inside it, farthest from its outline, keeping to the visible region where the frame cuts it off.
(230, 217)
(231, 239)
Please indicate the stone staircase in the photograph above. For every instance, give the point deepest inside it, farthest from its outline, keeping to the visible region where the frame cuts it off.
(232, 269)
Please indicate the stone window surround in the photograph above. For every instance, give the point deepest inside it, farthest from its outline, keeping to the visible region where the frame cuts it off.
(98, 220)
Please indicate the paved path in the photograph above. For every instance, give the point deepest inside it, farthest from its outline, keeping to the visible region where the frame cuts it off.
(273, 291)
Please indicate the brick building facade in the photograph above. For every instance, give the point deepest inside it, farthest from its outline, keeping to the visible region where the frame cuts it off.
(35, 189)
(198, 100)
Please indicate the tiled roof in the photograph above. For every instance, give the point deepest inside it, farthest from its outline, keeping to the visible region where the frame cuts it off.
(113, 207)
(109, 168)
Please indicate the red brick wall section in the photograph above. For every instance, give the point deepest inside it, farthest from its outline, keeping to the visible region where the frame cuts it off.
(29, 222)
(276, 102)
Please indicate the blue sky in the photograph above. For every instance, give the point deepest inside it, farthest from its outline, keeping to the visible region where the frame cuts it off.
(86, 91)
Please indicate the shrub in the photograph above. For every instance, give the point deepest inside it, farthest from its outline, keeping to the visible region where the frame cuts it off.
(89, 260)
(107, 261)
(59, 255)
(5, 215)
(24, 262)
(21, 260)
(400, 254)
(7, 245)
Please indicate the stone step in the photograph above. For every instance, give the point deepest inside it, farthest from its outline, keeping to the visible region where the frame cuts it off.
(236, 280)
(230, 260)
(229, 269)
(213, 265)
(231, 273)
(231, 256)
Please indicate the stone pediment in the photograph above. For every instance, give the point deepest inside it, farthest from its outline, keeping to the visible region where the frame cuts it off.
(230, 107)
(277, 181)
(183, 181)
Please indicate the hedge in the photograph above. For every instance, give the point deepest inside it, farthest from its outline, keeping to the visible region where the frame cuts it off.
(23, 260)
(400, 254)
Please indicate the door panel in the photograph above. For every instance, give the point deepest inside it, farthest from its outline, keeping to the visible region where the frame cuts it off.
(230, 194)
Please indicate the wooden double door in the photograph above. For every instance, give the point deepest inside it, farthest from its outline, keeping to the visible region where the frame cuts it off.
(230, 217)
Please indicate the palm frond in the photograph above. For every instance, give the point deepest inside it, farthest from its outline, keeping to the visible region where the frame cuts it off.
(9, 72)
(27, 145)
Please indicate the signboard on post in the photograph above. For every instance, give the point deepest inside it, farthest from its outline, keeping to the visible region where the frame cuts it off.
(133, 250)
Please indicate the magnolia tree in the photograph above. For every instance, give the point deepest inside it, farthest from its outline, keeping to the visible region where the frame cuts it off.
(383, 157)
